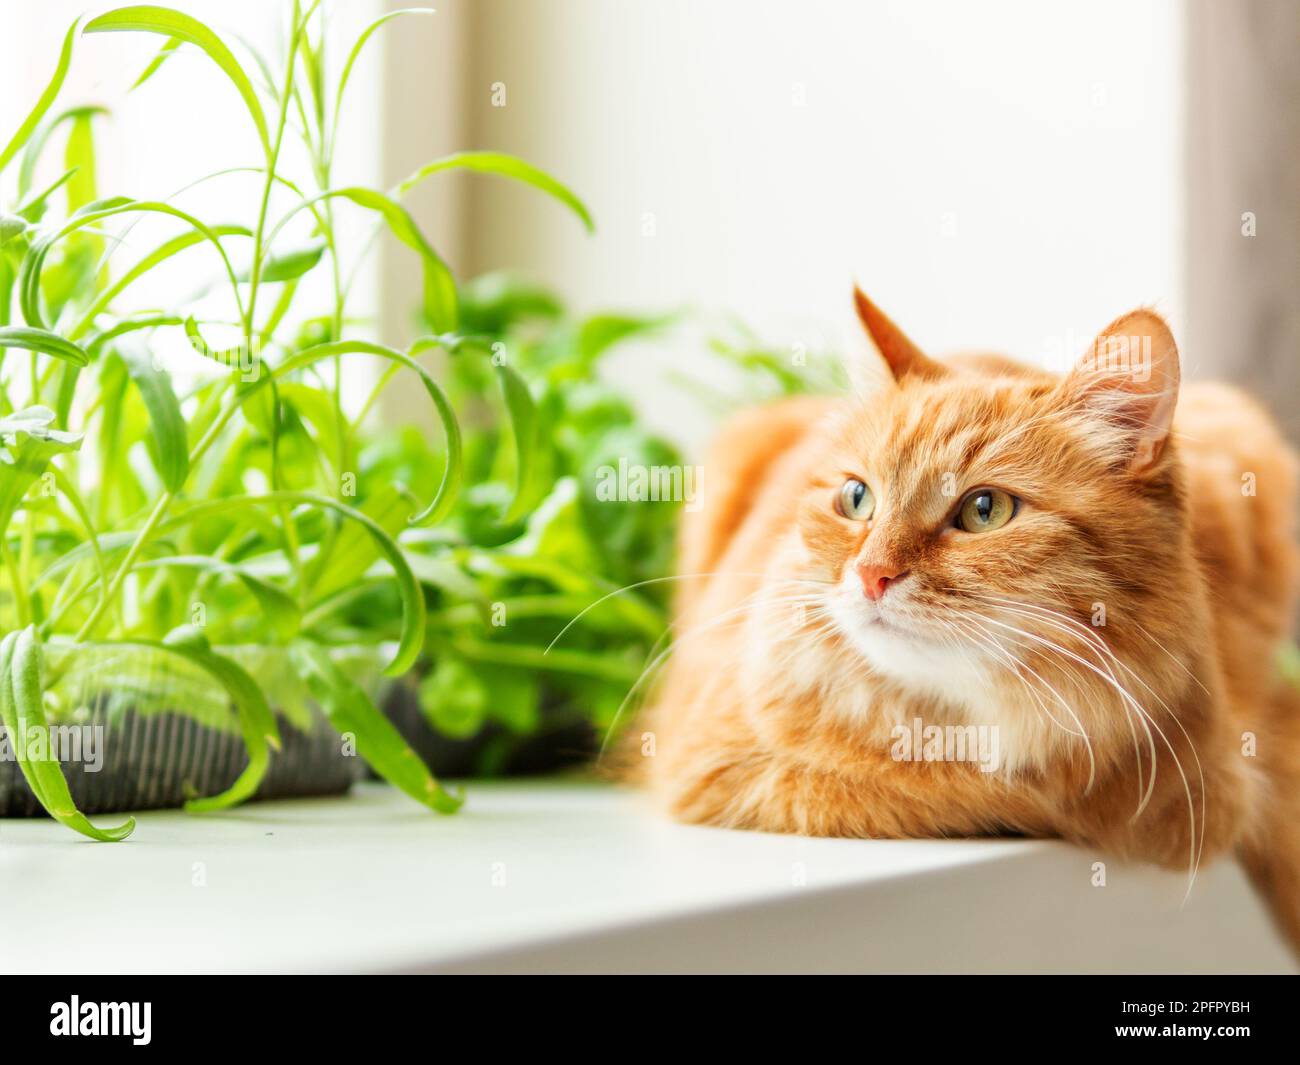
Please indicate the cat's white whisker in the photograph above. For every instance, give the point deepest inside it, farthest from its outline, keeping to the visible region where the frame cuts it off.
(1194, 849)
(663, 580)
(1082, 732)
(1063, 623)
(1002, 657)
(740, 612)
(1098, 642)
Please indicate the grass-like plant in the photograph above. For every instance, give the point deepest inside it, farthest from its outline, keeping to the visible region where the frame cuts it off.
(155, 519)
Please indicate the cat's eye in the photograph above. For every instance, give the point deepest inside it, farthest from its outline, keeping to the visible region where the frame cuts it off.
(986, 509)
(855, 500)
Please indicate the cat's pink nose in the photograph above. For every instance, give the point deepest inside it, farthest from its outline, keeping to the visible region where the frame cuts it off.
(875, 579)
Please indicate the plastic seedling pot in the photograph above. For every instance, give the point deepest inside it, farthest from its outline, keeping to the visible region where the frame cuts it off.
(143, 729)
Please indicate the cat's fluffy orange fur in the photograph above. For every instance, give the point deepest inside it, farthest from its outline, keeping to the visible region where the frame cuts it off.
(1119, 633)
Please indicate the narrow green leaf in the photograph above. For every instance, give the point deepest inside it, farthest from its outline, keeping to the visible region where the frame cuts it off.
(168, 47)
(9, 715)
(440, 305)
(43, 341)
(108, 203)
(79, 157)
(148, 18)
(130, 325)
(601, 332)
(33, 208)
(357, 47)
(22, 694)
(523, 419)
(288, 265)
(378, 741)
(523, 422)
(313, 71)
(263, 412)
(315, 407)
(232, 358)
(46, 100)
(352, 551)
(31, 154)
(506, 166)
(171, 450)
(256, 719)
(111, 450)
(68, 375)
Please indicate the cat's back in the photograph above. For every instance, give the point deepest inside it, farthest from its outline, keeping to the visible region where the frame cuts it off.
(1241, 494)
(742, 474)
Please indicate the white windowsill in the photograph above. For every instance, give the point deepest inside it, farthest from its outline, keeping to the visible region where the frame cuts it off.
(562, 876)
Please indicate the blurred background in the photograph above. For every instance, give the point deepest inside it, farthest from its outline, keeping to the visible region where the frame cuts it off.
(1008, 175)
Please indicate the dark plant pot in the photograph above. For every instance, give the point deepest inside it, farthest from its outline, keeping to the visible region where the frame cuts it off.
(153, 756)
(492, 751)
(158, 760)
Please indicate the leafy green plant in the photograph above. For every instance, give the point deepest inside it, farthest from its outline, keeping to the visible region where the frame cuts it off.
(153, 517)
(528, 547)
(544, 625)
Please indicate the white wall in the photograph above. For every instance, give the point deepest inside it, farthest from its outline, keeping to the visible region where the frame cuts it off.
(998, 174)
(1001, 174)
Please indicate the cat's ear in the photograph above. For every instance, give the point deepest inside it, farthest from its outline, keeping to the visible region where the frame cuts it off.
(900, 354)
(1129, 376)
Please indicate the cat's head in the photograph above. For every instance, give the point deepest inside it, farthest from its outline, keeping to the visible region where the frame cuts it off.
(966, 512)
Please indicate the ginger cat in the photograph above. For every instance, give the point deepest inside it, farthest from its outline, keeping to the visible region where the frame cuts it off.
(981, 598)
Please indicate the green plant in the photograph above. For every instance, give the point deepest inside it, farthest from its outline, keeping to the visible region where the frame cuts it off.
(229, 505)
(502, 580)
(550, 620)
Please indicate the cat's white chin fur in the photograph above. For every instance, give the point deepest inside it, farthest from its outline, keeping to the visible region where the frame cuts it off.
(941, 670)
(954, 678)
